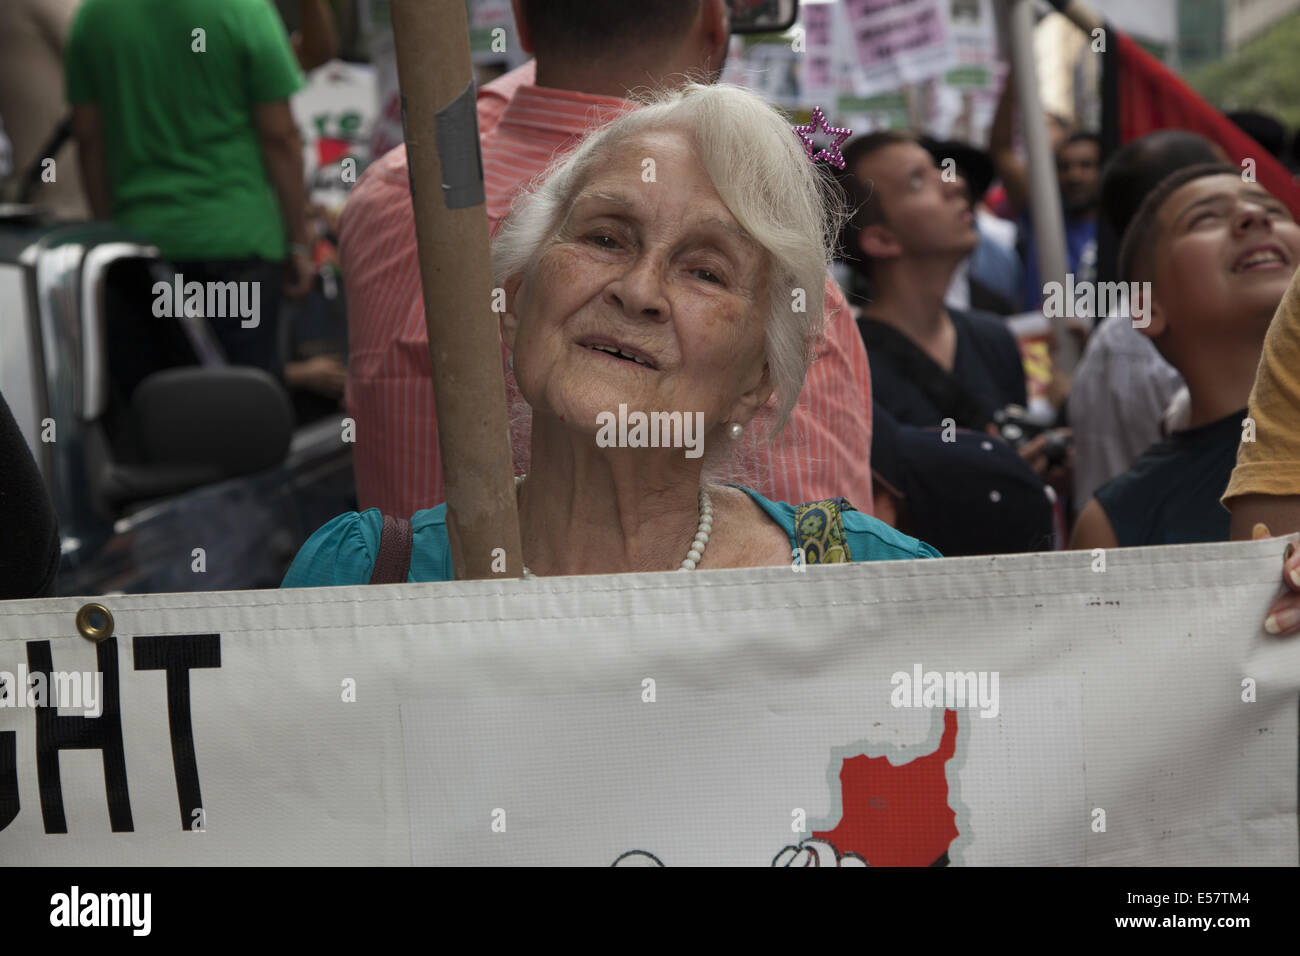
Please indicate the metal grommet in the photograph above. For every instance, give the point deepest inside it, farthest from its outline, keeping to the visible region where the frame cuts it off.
(95, 622)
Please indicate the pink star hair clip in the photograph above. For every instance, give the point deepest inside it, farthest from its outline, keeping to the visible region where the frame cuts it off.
(832, 152)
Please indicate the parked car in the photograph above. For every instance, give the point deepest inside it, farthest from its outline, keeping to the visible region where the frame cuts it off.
(194, 479)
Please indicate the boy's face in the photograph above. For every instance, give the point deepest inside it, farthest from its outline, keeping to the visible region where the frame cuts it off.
(1225, 252)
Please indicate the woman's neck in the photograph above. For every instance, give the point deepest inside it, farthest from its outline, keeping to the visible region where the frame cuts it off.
(590, 510)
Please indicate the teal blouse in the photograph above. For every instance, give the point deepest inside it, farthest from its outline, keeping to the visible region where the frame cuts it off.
(343, 550)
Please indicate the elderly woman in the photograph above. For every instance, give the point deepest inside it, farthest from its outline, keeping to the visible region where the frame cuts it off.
(672, 263)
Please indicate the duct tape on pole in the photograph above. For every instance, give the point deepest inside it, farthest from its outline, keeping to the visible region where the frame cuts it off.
(451, 229)
(1044, 191)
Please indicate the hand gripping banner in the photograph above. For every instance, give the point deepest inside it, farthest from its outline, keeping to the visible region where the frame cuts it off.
(1059, 709)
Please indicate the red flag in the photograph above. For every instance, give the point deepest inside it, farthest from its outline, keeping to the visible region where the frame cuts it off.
(1148, 96)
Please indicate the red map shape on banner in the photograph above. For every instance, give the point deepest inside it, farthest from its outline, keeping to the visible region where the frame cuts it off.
(897, 815)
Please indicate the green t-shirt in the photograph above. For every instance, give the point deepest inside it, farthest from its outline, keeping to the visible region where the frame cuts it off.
(181, 148)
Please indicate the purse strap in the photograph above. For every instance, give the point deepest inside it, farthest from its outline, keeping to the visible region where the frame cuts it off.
(393, 562)
(819, 531)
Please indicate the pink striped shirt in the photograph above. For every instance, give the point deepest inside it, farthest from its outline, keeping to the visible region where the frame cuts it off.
(495, 96)
(824, 451)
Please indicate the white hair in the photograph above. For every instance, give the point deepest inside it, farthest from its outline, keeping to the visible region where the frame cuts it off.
(763, 176)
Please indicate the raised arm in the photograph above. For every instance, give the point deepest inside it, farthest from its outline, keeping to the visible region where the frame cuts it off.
(1012, 170)
(316, 40)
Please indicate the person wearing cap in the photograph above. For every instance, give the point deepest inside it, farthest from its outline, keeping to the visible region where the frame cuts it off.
(910, 228)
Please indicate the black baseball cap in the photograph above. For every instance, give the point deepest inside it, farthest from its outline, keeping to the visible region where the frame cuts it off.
(971, 495)
(974, 164)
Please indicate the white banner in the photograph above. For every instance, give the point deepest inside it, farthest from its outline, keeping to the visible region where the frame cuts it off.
(1069, 708)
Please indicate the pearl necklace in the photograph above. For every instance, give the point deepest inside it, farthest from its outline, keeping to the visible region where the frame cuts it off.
(701, 541)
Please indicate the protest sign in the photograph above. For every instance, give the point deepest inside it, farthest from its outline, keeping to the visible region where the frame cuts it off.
(1119, 707)
(898, 42)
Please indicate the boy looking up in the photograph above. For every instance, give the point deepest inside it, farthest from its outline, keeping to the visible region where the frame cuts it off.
(1218, 254)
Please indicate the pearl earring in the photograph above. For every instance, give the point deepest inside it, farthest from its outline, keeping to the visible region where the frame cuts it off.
(735, 429)
(510, 361)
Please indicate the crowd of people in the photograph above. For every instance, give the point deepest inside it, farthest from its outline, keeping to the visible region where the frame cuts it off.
(884, 417)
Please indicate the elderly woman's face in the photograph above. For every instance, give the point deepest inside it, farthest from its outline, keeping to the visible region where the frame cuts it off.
(649, 263)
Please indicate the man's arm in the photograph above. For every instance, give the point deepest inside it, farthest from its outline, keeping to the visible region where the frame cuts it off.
(89, 133)
(1281, 514)
(1093, 529)
(282, 152)
(1012, 170)
(316, 40)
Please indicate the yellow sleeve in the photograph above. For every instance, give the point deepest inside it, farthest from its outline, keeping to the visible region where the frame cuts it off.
(1270, 465)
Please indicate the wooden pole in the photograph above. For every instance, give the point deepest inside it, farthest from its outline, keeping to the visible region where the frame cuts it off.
(451, 230)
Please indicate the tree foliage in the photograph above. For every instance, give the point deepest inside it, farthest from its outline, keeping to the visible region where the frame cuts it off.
(1263, 75)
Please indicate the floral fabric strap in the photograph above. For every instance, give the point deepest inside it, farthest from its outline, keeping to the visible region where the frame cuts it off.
(819, 531)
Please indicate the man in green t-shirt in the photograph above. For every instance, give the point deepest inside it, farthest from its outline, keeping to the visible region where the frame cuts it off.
(181, 113)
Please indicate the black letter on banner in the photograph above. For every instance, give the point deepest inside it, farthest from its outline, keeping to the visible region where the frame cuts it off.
(8, 777)
(104, 733)
(176, 654)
